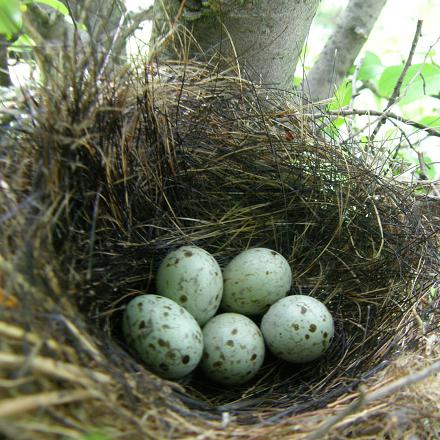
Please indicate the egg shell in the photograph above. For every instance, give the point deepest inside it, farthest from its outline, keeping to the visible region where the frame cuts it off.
(191, 277)
(234, 349)
(165, 335)
(298, 328)
(255, 279)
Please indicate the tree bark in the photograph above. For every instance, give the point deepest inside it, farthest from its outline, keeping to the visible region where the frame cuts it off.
(265, 37)
(342, 48)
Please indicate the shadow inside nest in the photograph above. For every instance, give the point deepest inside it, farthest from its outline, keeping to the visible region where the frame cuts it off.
(188, 156)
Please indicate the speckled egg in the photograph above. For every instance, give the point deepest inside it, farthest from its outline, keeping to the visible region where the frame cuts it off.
(298, 328)
(234, 349)
(192, 277)
(254, 280)
(165, 335)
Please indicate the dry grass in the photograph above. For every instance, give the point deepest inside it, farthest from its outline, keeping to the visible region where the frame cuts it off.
(101, 178)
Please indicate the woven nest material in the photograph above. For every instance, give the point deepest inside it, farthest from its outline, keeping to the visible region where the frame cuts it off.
(100, 179)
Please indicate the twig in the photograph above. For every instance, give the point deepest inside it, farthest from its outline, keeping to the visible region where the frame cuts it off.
(431, 131)
(113, 45)
(367, 398)
(422, 166)
(134, 21)
(396, 91)
(354, 93)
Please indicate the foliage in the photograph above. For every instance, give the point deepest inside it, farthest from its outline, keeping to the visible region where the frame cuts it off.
(420, 84)
(419, 81)
(10, 17)
(11, 20)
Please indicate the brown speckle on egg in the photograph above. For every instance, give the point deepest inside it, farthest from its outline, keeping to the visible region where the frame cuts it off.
(312, 328)
(230, 343)
(171, 355)
(183, 298)
(163, 343)
(185, 359)
(188, 254)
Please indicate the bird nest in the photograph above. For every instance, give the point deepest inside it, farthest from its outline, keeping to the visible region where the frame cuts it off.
(101, 178)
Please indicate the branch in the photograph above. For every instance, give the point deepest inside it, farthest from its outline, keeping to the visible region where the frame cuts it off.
(385, 115)
(342, 48)
(136, 19)
(396, 91)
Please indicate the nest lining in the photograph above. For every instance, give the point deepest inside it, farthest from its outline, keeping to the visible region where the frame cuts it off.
(114, 180)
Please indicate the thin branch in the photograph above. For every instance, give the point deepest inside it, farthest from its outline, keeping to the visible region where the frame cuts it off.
(354, 92)
(384, 115)
(396, 92)
(367, 398)
(137, 18)
(131, 25)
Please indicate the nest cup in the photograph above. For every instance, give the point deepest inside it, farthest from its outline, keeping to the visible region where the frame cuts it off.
(104, 178)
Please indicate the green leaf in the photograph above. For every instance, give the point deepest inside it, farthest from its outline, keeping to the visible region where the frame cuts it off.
(339, 122)
(297, 80)
(342, 96)
(420, 80)
(431, 121)
(10, 17)
(23, 43)
(411, 159)
(332, 128)
(55, 4)
(371, 67)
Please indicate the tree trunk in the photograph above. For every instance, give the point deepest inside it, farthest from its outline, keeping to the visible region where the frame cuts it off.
(265, 36)
(342, 48)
